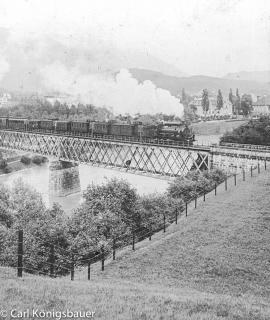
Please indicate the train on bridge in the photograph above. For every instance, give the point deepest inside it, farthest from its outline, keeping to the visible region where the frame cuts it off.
(172, 131)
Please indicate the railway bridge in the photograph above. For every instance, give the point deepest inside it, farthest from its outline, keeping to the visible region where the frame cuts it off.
(160, 158)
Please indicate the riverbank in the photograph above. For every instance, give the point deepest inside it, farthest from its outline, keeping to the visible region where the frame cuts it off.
(213, 265)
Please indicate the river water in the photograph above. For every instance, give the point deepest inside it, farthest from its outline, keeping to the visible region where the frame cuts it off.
(38, 178)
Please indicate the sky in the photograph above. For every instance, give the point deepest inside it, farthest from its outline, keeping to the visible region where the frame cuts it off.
(85, 47)
(211, 37)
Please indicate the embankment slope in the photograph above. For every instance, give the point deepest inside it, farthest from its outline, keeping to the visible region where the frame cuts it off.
(212, 265)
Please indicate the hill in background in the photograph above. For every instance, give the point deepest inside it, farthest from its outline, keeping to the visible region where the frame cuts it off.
(194, 84)
(259, 76)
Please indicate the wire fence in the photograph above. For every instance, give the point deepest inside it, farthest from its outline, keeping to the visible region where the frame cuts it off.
(55, 260)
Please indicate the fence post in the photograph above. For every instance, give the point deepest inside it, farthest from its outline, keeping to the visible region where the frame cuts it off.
(133, 241)
(88, 270)
(186, 209)
(20, 253)
(235, 179)
(226, 185)
(52, 260)
(204, 195)
(215, 189)
(72, 268)
(265, 164)
(102, 258)
(164, 223)
(176, 216)
(195, 204)
(113, 249)
(244, 175)
(259, 169)
(251, 171)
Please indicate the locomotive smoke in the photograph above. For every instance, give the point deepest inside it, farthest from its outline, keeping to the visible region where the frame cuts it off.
(122, 93)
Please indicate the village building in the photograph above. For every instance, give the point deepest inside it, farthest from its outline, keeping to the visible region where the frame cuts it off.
(196, 104)
(261, 106)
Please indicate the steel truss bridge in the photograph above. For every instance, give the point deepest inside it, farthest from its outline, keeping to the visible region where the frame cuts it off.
(134, 156)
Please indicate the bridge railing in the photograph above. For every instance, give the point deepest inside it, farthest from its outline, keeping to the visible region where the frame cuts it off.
(245, 146)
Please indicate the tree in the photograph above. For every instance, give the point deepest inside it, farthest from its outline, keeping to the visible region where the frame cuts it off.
(205, 101)
(246, 104)
(219, 100)
(237, 102)
(232, 100)
(120, 190)
(183, 97)
(231, 96)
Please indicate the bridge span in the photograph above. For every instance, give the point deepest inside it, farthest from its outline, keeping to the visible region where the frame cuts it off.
(162, 158)
(139, 157)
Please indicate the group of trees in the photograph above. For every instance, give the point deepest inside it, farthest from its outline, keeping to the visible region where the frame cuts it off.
(110, 211)
(241, 104)
(254, 132)
(45, 110)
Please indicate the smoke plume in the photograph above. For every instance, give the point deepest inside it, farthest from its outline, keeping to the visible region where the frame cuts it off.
(122, 93)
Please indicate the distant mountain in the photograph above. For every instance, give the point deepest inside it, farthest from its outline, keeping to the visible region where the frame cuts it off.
(194, 84)
(259, 76)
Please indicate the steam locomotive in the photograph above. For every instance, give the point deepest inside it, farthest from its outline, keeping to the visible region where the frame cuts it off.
(175, 131)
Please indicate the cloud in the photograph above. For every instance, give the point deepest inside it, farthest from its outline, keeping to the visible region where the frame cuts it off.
(122, 93)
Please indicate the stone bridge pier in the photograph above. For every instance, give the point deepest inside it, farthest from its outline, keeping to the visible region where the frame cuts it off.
(64, 178)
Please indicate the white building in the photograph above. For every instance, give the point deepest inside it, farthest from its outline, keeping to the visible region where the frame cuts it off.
(5, 99)
(262, 106)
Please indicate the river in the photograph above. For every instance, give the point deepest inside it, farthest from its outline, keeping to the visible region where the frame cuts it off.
(38, 178)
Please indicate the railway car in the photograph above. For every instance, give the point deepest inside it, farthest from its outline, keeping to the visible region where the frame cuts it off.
(17, 124)
(62, 126)
(47, 125)
(3, 123)
(138, 130)
(33, 125)
(79, 126)
(150, 131)
(121, 130)
(99, 128)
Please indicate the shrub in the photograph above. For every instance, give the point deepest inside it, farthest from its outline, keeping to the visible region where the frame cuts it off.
(25, 160)
(3, 163)
(7, 170)
(216, 175)
(24, 209)
(195, 183)
(254, 132)
(154, 207)
(38, 159)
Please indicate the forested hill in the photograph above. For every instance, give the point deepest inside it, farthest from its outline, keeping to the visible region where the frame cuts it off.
(195, 84)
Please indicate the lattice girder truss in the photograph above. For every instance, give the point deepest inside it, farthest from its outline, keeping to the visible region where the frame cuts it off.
(160, 160)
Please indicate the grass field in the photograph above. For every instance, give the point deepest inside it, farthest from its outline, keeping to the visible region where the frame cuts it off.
(212, 265)
(215, 127)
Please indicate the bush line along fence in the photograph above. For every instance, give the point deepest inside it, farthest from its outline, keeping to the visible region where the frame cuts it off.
(61, 261)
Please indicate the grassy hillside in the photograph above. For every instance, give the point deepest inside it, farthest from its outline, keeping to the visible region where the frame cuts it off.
(212, 265)
(215, 127)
